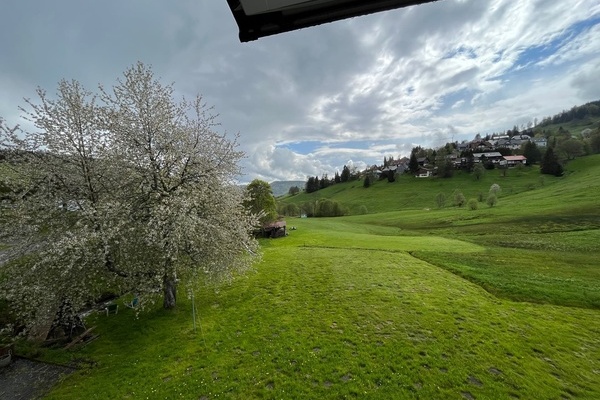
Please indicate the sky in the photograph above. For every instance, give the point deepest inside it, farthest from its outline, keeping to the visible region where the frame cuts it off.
(309, 102)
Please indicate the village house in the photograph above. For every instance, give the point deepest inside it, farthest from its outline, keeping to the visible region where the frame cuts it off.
(422, 161)
(493, 156)
(512, 161)
(540, 142)
(424, 173)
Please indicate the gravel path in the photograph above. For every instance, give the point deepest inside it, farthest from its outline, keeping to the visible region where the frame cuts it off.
(25, 379)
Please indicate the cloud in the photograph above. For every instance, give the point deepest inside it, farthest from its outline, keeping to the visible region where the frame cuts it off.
(310, 101)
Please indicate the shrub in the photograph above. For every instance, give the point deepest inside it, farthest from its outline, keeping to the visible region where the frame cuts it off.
(459, 199)
(473, 204)
(492, 200)
(362, 210)
(367, 181)
(328, 208)
(478, 171)
(289, 210)
(495, 189)
(308, 208)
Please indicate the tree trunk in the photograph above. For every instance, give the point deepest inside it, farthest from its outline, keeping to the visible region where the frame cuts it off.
(170, 291)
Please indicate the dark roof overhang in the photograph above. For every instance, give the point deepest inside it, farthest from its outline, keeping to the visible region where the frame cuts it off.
(259, 18)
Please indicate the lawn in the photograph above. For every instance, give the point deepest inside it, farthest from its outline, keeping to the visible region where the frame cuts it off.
(351, 316)
(407, 301)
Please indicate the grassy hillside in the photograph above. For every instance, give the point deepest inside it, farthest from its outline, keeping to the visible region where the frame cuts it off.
(540, 241)
(326, 316)
(409, 301)
(413, 193)
(575, 126)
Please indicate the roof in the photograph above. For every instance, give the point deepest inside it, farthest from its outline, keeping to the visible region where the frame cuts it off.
(259, 18)
(487, 155)
(276, 224)
(515, 158)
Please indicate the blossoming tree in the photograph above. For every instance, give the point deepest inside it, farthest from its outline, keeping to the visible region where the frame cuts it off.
(125, 190)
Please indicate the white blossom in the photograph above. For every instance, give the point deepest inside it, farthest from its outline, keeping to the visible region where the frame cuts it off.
(127, 190)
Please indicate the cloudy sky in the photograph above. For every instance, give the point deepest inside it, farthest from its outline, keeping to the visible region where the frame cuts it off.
(310, 101)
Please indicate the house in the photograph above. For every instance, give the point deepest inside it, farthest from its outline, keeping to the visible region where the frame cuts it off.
(423, 161)
(462, 146)
(480, 145)
(424, 173)
(522, 137)
(401, 164)
(540, 142)
(502, 142)
(511, 161)
(493, 156)
(496, 139)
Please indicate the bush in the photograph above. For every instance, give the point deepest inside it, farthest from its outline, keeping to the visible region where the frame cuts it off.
(362, 210)
(492, 200)
(459, 199)
(367, 181)
(495, 189)
(328, 208)
(289, 210)
(308, 208)
(473, 204)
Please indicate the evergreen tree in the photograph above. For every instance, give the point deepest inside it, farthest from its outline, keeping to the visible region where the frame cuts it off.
(413, 164)
(391, 176)
(532, 153)
(312, 185)
(324, 182)
(345, 174)
(337, 178)
(550, 164)
(367, 181)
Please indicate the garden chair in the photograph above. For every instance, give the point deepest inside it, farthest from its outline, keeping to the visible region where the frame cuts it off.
(111, 309)
(133, 303)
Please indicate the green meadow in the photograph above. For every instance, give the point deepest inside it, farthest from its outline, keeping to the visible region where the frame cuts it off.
(407, 301)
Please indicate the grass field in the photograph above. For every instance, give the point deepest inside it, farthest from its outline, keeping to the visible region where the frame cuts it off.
(323, 320)
(409, 302)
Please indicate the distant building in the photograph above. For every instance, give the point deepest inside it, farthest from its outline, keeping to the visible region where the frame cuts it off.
(511, 161)
(492, 156)
(424, 173)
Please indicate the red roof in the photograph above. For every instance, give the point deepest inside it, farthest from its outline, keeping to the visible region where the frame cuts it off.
(515, 158)
(276, 224)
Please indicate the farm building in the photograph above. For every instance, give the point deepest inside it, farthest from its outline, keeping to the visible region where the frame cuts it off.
(274, 229)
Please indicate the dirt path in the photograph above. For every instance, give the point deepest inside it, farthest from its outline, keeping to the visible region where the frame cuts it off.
(25, 379)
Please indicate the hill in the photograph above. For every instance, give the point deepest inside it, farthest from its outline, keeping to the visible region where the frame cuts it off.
(574, 126)
(281, 188)
(409, 193)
